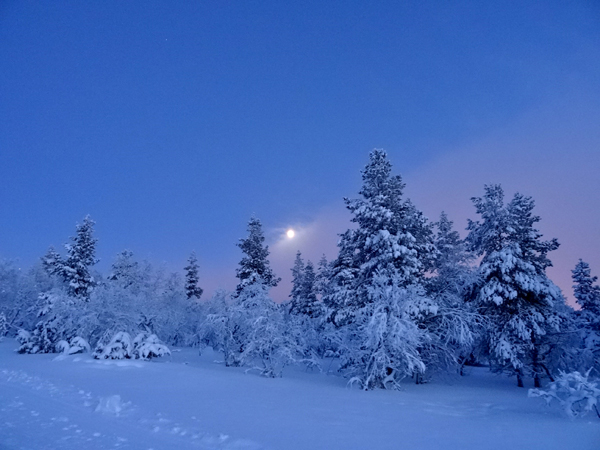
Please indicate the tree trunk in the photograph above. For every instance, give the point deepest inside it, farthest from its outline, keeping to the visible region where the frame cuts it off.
(520, 378)
(536, 365)
(418, 379)
(548, 372)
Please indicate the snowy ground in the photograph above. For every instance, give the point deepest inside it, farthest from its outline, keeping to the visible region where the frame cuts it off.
(187, 401)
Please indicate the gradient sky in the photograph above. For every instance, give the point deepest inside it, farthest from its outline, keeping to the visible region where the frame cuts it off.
(171, 123)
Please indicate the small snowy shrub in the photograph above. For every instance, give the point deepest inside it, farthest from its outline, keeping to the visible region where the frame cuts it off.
(573, 391)
(119, 347)
(49, 328)
(112, 405)
(26, 342)
(62, 346)
(76, 345)
(147, 346)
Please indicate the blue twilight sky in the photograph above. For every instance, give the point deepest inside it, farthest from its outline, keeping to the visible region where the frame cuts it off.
(171, 123)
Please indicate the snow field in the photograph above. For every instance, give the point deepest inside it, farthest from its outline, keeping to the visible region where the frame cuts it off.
(189, 401)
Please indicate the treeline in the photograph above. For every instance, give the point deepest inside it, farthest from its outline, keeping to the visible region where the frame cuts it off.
(404, 298)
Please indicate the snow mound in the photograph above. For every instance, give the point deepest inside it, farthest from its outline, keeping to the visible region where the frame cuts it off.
(119, 347)
(76, 345)
(112, 405)
(145, 346)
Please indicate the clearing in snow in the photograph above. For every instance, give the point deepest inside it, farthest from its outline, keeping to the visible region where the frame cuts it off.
(188, 401)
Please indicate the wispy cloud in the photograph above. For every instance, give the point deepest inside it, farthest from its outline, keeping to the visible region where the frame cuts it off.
(314, 238)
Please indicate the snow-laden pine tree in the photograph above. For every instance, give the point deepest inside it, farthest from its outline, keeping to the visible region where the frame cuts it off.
(340, 299)
(59, 318)
(75, 270)
(453, 271)
(305, 316)
(250, 328)
(377, 281)
(303, 296)
(520, 303)
(322, 277)
(384, 346)
(297, 278)
(310, 305)
(390, 234)
(254, 266)
(454, 327)
(125, 270)
(191, 278)
(53, 263)
(587, 292)
(587, 295)
(63, 310)
(81, 256)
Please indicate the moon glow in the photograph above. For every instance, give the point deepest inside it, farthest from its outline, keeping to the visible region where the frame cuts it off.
(290, 233)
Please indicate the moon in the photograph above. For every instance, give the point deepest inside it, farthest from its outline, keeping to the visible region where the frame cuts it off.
(290, 233)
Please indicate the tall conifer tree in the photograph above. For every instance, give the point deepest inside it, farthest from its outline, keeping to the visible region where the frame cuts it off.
(514, 293)
(377, 296)
(587, 294)
(75, 270)
(191, 278)
(254, 266)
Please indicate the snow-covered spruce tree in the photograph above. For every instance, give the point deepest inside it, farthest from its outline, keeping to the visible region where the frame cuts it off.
(192, 290)
(53, 263)
(518, 300)
(63, 309)
(125, 270)
(297, 279)
(75, 270)
(389, 339)
(587, 292)
(453, 270)
(225, 326)
(454, 326)
(303, 296)
(57, 320)
(385, 236)
(310, 305)
(341, 300)
(587, 319)
(322, 277)
(377, 281)
(254, 266)
(251, 330)
(305, 311)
